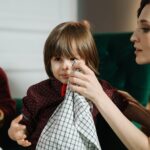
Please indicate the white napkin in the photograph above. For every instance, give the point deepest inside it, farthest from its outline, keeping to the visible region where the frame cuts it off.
(71, 127)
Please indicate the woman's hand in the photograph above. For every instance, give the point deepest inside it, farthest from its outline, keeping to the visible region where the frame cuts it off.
(85, 81)
(129, 97)
(17, 132)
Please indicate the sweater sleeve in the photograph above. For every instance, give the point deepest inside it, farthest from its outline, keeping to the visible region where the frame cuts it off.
(29, 111)
(119, 100)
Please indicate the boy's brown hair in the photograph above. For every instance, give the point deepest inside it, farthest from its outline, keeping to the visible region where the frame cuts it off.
(59, 44)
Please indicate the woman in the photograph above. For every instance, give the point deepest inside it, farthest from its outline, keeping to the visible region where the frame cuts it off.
(84, 81)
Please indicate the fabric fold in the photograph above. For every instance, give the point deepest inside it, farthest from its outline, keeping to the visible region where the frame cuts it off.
(71, 126)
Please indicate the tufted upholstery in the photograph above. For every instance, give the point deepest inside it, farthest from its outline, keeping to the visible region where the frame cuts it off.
(118, 66)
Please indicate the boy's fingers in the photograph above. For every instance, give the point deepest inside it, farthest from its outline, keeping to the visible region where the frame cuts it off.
(21, 127)
(20, 136)
(24, 143)
(18, 119)
(18, 128)
(15, 123)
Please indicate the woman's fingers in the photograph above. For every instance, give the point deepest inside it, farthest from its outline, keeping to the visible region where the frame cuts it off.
(128, 96)
(78, 78)
(84, 81)
(78, 89)
(80, 65)
(81, 74)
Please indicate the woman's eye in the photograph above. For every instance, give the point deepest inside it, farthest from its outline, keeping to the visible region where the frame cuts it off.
(145, 30)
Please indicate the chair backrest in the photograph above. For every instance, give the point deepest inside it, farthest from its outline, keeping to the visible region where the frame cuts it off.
(118, 66)
(18, 105)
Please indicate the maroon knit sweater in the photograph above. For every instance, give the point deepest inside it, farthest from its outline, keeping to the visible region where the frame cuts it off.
(43, 98)
(7, 105)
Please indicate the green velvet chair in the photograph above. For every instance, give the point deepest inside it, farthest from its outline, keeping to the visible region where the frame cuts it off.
(118, 66)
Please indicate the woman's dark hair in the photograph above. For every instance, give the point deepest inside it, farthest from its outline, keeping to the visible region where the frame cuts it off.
(142, 5)
(60, 44)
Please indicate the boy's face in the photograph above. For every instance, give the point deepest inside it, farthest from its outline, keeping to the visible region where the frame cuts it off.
(61, 66)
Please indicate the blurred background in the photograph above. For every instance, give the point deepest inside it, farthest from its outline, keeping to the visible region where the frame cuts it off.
(25, 25)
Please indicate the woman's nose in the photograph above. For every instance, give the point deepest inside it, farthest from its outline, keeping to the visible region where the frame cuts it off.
(134, 37)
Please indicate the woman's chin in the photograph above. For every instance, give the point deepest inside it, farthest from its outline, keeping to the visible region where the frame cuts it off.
(141, 61)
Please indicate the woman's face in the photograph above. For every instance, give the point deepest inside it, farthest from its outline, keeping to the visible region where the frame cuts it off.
(141, 37)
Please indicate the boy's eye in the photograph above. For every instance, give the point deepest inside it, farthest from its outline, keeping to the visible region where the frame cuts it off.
(57, 58)
(72, 59)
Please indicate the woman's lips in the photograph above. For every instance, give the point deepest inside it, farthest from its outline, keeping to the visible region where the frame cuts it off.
(137, 51)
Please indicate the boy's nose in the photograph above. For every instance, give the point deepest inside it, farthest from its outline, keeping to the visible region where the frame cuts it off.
(66, 64)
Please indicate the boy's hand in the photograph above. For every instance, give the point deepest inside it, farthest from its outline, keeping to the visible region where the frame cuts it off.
(17, 132)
